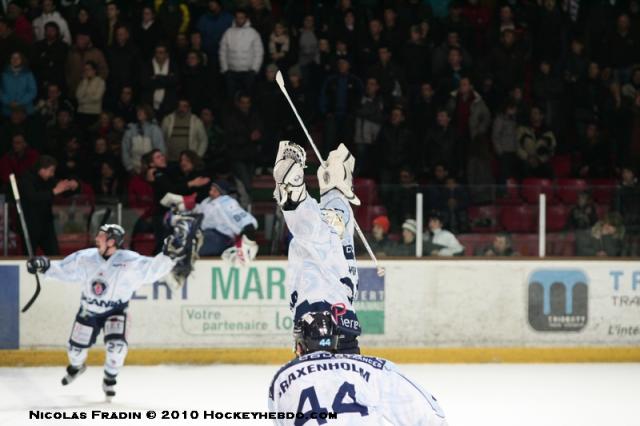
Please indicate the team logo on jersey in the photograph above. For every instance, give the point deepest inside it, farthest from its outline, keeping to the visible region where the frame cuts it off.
(558, 299)
(98, 287)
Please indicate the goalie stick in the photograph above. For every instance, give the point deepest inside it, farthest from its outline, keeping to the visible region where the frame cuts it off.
(283, 89)
(27, 240)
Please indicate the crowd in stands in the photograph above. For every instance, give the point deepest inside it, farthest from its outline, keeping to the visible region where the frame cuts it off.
(127, 100)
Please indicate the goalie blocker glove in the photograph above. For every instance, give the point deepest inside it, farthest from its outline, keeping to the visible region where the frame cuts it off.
(38, 264)
(288, 172)
(337, 172)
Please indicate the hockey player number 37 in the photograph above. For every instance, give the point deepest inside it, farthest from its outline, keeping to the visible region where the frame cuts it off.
(338, 406)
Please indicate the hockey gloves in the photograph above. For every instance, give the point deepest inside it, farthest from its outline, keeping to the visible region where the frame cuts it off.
(288, 172)
(38, 264)
(337, 173)
(242, 252)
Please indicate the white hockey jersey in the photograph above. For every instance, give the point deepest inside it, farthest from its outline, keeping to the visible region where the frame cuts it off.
(225, 215)
(109, 284)
(335, 200)
(318, 275)
(360, 390)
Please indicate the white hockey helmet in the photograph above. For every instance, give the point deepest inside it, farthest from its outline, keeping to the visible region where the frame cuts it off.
(337, 172)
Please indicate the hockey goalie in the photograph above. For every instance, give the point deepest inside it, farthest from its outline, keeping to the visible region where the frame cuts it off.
(322, 273)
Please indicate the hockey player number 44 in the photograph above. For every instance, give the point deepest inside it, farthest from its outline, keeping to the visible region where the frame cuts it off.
(338, 406)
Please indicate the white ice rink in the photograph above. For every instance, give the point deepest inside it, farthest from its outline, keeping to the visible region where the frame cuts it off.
(473, 395)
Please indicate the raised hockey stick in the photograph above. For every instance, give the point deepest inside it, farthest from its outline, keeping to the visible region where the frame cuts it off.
(283, 89)
(27, 240)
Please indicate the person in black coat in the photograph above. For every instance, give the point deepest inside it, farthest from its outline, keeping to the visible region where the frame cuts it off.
(124, 65)
(159, 81)
(196, 85)
(51, 57)
(148, 33)
(37, 190)
(244, 132)
(394, 147)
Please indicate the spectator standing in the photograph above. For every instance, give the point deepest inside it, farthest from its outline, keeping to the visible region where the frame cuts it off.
(148, 33)
(19, 160)
(536, 146)
(441, 242)
(191, 167)
(123, 58)
(308, 48)
(37, 190)
(141, 137)
(10, 43)
(595, 158)
(389, 75)
(110, 26)
(51, 57)
(243, 137)
(19, 123)
(18, 87)
(272, 109)
(423, 111)
(623, 48)
(124, 107)
(241, 53)
(160, 82)
(395, 147)
(196, 85)
(339, 100)
(279, 45)
(369, 119)
(89, 95)
(416, 56)
(61, 130)
(182, 131)
(81, 53)
(505, 141)
(216, 155)
(442, 146)
(21, 25)
(50, 14)
(212, 25)
(627, 201)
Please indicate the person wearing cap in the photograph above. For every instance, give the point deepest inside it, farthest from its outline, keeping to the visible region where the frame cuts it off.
(407, 246)
(224, 221)
(441, 242)
(380, 243)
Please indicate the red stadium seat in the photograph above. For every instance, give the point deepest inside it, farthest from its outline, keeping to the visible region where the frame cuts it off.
(602, 210)
(561, 244)
(562, 166)
(556, 218)
(365, 215)
(512, 195)
(525, 244)
(70, 243)
(603, 190)
(143, 243)
(483, 219)
(568, 189)
(475, 243)
(519, 218)
(533, 187)
(366, 190)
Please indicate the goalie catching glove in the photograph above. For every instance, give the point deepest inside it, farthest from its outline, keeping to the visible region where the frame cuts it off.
(38, 265)
(242, 252)
(288, 172)
(337, 173)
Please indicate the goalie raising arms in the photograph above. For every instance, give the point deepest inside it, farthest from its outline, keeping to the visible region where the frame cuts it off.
(322, 273)
(109, 276)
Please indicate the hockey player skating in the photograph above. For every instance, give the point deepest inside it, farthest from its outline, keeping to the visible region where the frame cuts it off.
(109, 276)
(322, 273)
(360, 390)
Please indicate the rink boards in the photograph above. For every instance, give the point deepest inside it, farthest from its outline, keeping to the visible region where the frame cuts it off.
(421, 311)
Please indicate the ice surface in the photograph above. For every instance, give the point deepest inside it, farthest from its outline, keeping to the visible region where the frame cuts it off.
(470, 394)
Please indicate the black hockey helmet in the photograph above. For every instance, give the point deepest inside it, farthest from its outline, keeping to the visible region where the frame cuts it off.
(114, 232)
(316, 331)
